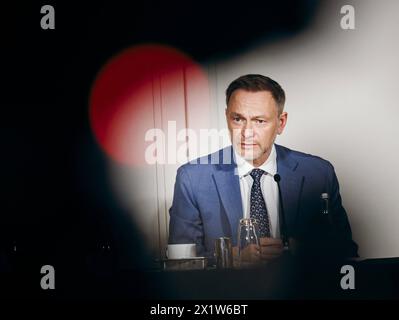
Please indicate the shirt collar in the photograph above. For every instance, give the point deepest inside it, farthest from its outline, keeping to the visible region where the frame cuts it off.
(244, 167)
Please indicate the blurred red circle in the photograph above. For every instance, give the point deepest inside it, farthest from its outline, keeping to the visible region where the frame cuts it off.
(124, 94)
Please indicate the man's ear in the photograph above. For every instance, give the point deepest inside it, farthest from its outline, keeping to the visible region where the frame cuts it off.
(282, 122)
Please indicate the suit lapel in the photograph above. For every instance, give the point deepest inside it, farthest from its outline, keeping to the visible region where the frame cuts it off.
(228, 186)
(291, 185)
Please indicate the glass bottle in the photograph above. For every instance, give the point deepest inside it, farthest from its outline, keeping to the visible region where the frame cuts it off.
(248, 240)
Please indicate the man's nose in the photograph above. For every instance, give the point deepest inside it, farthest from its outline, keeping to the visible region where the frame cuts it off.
(247, 131)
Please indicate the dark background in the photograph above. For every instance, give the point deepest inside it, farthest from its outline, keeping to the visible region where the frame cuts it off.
(56, 205)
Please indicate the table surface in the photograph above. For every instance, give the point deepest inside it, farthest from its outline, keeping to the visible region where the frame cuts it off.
(284, 279)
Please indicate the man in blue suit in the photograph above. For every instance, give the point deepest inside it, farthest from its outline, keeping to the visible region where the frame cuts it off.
(213, 193)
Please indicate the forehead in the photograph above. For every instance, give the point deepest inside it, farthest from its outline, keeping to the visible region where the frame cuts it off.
(249, 102)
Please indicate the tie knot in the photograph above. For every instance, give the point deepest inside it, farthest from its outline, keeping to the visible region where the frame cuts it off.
(256, 174)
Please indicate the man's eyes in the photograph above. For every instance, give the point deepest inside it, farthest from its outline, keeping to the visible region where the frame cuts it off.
(238, 119)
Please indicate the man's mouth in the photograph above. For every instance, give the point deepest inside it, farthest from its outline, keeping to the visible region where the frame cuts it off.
(248, 145)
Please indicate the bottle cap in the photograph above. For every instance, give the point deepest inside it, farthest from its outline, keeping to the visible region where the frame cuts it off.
(324, 196)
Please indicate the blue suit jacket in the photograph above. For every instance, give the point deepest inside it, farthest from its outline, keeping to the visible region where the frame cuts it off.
(207, 200)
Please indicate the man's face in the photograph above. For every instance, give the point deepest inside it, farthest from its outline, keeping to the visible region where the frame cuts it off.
(254, 122)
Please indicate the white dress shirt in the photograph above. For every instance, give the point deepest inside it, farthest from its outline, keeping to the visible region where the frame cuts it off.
(268, 186)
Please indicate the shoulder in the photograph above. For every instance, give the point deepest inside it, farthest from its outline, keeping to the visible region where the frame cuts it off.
(209, 163)
(303, 160)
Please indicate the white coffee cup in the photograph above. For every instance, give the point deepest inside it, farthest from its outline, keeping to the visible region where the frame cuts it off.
(181, 251)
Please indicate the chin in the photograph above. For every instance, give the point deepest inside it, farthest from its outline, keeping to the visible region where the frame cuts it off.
(252, 154)
(249, 155)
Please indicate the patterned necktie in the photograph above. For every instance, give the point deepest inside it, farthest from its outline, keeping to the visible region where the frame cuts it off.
(258, 205)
